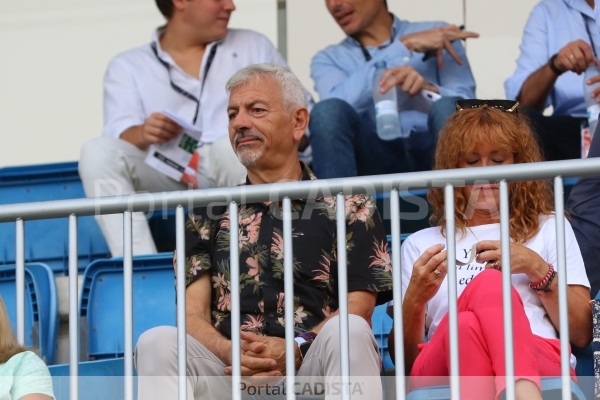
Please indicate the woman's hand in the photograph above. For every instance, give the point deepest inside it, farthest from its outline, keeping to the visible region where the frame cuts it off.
(522, 259)
(428, 274)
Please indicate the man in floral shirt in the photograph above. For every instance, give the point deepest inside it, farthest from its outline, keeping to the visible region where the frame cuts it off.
(268, 117)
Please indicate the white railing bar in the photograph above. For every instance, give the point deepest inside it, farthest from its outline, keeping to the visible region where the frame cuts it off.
(20, 278)
(288, 274)
(73, 310)
(181, 317)
(452, 292)
(128, 303)
(343, 295)
(563, 308)
(397, 291)
(234, 268)
(298, 190)
(507, 291)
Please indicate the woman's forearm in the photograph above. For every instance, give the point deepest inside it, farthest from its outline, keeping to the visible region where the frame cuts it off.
(580, 312)
(414, 330)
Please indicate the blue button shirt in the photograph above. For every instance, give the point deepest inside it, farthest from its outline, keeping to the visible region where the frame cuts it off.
(342, 71)
(553, 24)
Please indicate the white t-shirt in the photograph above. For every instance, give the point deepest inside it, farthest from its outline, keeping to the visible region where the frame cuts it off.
(544, 243)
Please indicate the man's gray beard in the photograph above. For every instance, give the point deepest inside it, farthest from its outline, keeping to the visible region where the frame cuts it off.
(249, 158)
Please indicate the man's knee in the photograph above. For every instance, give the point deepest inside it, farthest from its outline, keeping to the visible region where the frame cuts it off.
(440, 112)
(96, 155)
(331, 108)
(156, 351)
(332, 114)
(359, 332)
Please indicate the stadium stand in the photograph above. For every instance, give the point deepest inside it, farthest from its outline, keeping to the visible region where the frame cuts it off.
(41, 306)
(44, 183)
(101, 304)
(97, 380)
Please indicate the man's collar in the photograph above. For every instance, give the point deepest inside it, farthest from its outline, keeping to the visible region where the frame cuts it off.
(155, 41)
(307, 174)
(395, 29)
(582, 6)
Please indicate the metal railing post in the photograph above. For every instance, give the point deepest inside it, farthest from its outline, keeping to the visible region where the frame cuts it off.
(181, 317)
(397, 290)
(563, 307)
(343, 294)
(128, 303)
(507, 291)
(20, 278)
(234, 267)
(452, 292)
(288, 275)
(73, 310)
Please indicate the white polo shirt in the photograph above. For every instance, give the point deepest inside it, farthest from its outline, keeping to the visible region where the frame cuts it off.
(136, 83)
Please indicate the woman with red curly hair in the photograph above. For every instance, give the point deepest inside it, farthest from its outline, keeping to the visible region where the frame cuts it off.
(488, 133)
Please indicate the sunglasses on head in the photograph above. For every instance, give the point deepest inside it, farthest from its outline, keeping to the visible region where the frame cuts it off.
(509, 106)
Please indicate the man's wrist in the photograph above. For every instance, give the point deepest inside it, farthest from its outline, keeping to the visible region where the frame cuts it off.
(552, 64)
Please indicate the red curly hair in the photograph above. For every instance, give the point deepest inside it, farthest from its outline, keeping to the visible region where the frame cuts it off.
(464, 132)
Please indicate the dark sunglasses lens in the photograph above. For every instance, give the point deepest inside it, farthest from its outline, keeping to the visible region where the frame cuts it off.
(502, 105)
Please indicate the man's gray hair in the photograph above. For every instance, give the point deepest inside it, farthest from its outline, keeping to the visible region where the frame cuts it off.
(291, 88)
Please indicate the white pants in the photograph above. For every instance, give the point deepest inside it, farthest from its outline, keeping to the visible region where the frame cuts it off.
(115, 167)
(156, 364)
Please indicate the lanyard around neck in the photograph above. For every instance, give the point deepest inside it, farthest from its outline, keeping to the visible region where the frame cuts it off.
(177, 88)
(587, 29)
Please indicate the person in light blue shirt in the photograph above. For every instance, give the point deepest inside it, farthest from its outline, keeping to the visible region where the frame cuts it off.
(424, 55)
(557, 47)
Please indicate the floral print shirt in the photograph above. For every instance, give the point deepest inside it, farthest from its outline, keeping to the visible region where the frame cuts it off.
(261, 260)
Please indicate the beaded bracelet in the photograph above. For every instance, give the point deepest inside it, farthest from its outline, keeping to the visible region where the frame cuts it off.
(547, 289)
(544, 284)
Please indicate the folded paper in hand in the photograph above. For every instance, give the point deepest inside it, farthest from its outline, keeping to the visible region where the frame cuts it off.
(173, 157)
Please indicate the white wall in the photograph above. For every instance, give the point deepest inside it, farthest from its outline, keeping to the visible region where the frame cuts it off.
(54, 53)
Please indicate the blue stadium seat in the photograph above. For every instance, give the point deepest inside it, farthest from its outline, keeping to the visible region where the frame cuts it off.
(382, 324)
(414, 210)
(101, 304)
(44, 183)
(97, 380)
(41, 309)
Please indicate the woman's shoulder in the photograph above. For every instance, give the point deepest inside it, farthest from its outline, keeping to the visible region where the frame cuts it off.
(25, 363)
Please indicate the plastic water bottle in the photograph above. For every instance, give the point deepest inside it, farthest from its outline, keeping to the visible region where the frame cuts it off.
(593, 108)
(387, 117)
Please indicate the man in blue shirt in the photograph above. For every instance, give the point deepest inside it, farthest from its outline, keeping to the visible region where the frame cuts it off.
(426, 55)
(557, 47)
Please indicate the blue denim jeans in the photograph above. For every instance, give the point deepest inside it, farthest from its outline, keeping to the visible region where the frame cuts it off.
(343, 146)
(584, 206)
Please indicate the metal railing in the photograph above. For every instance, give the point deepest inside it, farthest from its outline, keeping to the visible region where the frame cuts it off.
(393, 184)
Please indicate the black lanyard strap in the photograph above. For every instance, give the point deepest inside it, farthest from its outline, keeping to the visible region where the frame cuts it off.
(587, 29)
(177, 88)
(365, 53)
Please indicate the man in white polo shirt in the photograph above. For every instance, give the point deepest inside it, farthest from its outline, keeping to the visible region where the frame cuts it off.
(184, 70)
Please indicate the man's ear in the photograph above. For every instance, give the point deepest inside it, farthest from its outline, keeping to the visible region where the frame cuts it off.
(300, 120)
(178, 4)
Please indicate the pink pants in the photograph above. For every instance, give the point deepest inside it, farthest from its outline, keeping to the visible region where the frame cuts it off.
(481, 344)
